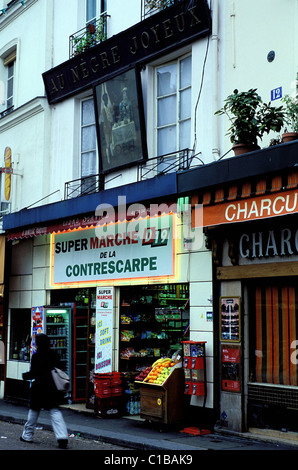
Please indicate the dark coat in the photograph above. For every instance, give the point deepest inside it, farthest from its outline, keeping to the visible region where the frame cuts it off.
(43, 393)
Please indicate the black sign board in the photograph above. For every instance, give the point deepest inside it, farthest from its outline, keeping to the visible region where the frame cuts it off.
(163, 32)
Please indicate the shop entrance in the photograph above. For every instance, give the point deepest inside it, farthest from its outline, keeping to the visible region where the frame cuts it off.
(83, 309)
(273, 355)
(153, 321)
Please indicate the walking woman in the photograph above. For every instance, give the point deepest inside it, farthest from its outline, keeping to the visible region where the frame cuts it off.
(43, 392)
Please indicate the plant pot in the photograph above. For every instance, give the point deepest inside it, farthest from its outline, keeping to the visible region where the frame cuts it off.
(289, 136)
(239, 149)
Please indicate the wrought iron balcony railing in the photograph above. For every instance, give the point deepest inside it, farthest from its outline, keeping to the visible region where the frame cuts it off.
(150, 7)
(93, 34)
(172, 162)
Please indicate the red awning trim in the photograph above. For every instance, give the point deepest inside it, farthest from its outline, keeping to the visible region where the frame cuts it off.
(89, 221)
(62, 227)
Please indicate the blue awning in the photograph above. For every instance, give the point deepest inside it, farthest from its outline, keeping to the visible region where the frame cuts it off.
(164, 186)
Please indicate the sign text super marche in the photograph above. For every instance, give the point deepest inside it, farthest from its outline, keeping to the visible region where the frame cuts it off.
(114, 252)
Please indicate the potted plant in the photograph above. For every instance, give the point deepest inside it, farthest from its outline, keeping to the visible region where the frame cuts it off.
(94, 35)
(291, 113)
(250, 119)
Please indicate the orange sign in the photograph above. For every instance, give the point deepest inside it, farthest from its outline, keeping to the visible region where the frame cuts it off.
(257, 208)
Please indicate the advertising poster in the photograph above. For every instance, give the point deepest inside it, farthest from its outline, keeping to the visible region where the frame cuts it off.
(230, 319)
(37, 325)
(104, 330)
(230, 361)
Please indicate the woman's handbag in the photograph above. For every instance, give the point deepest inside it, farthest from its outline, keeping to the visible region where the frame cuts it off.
(61, 379)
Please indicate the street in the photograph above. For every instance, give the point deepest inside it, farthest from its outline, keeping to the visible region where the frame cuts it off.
(45, 440)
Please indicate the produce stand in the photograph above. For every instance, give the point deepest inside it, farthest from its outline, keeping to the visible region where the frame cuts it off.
(163, 401)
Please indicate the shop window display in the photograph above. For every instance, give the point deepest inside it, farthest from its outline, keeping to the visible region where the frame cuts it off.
(20, 334)
(153, 322)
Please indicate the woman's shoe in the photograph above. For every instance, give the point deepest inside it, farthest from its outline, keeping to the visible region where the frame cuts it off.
(62, 443)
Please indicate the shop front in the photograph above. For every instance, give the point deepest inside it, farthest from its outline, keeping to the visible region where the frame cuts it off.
(117, 300)
(264, 283)
(251, 227)
(135, 310)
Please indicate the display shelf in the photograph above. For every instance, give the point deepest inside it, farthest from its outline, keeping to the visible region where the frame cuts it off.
(90, 393)
(80, 352)
(152, 322)
(194, 364)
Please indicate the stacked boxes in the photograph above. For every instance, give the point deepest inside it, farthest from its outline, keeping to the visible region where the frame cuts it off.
(108, 392)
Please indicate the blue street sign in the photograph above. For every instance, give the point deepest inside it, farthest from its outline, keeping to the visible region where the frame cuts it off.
(276, 94)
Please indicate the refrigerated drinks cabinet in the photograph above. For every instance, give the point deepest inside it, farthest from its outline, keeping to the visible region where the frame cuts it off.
(58, 330)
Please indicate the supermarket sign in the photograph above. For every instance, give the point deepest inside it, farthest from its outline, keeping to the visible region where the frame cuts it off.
(139, 249)
(104, 330)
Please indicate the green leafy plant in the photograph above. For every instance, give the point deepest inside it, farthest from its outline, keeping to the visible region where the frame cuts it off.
(157, 4)
(291, 111)
(92, 37)
(250, 117)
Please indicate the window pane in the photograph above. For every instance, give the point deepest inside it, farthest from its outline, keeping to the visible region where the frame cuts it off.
(167, 111)
(10, 70)
(184, 135)
(185, 104)
(185, 72)
(91, 10)
(9, 88)
(88, 115)
(88, 138)
(167, 80)
(88, 163)
(167, 140)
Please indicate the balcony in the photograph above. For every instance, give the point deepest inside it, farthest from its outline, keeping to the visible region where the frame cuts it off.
(150, 7)
(170, 163)
(94, 33)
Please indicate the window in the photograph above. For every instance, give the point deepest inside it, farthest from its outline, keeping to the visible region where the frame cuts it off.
(20, 334)
(10, 76)
(91, 10)
(88, 145)
(9, 64)
(173, 84)
(273, 334)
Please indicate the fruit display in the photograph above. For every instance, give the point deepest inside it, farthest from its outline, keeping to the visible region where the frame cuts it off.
(143, 374)
(159, 371)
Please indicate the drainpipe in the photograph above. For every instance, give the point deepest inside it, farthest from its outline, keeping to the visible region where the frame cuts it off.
(214, 42)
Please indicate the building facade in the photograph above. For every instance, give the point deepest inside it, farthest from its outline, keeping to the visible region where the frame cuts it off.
(108, 121)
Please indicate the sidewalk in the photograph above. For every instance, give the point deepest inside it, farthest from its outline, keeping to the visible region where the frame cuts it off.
(137, 434)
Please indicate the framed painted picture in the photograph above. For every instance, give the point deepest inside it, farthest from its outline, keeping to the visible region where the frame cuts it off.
(230, 319)
(120, 121)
